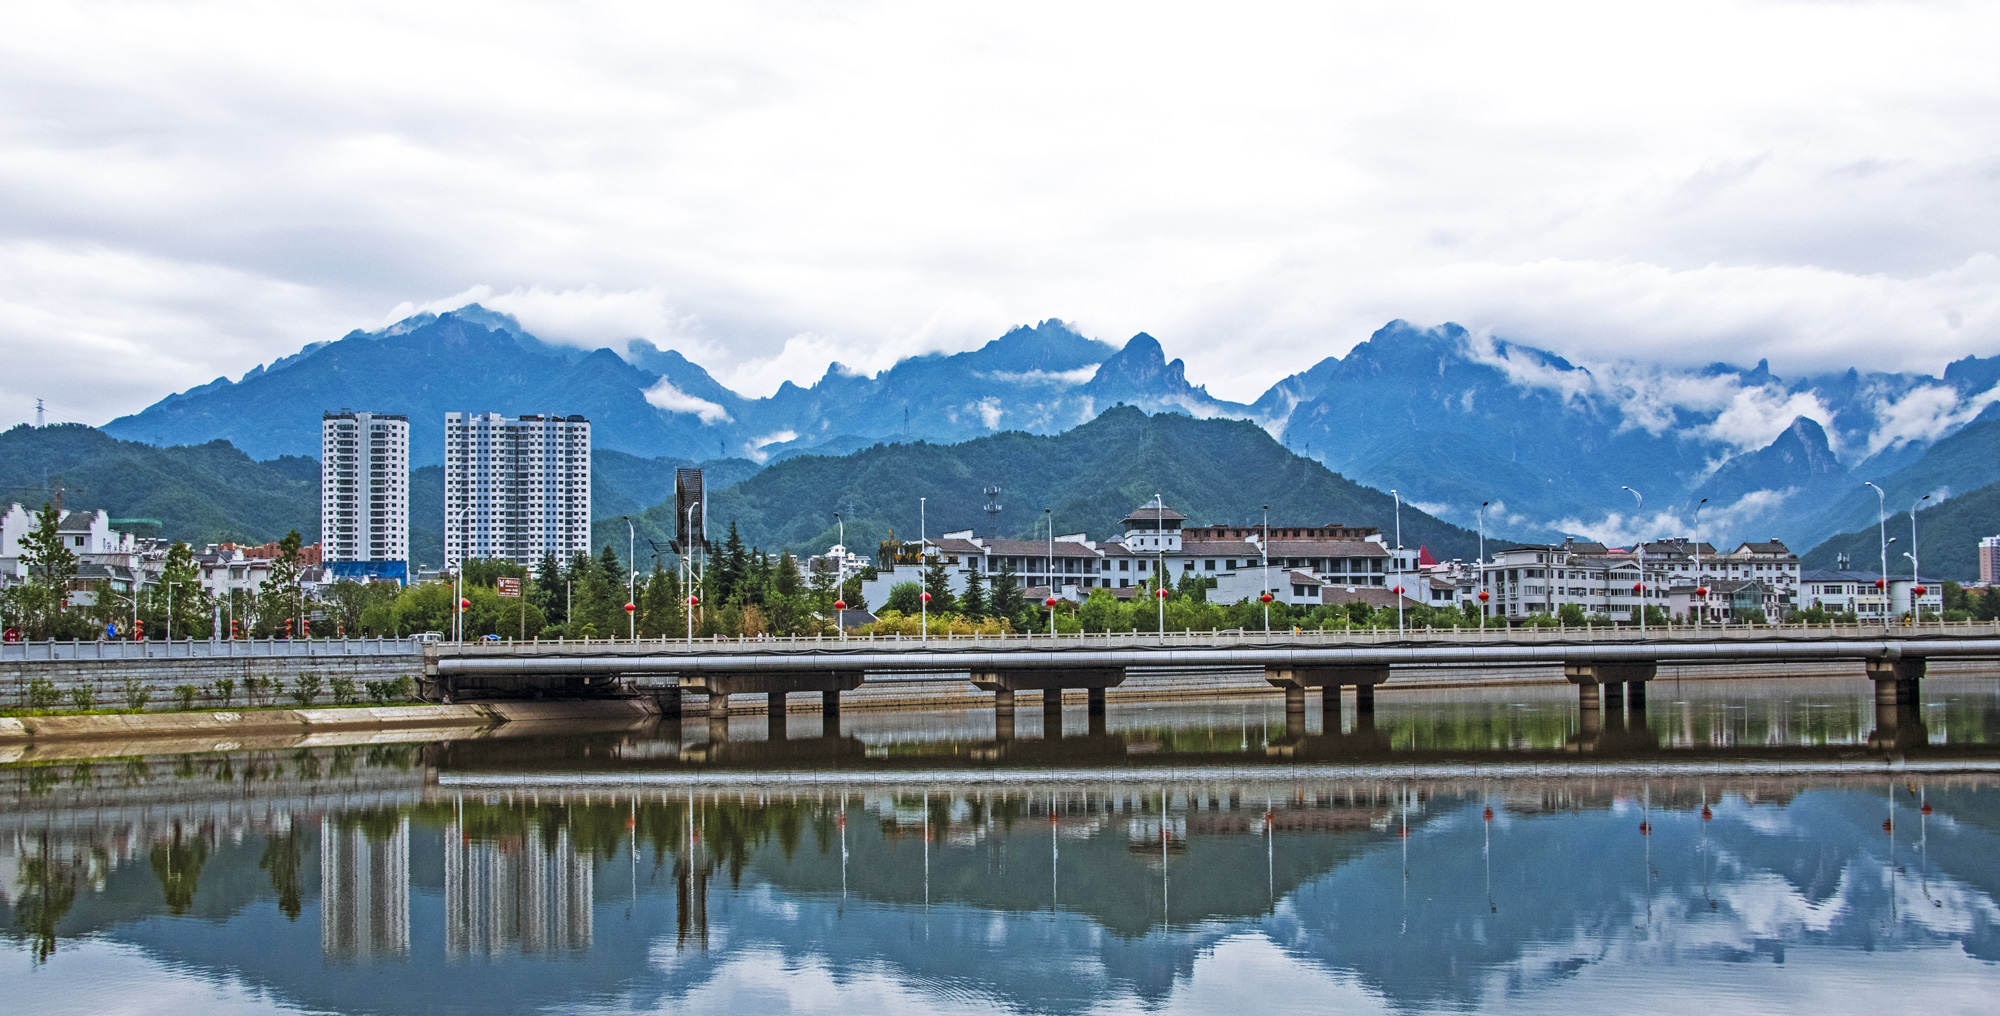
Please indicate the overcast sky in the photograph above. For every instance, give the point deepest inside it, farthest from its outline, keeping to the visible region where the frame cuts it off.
(189, 189)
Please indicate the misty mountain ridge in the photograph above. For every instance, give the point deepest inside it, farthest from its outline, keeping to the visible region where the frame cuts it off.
(1448, 417)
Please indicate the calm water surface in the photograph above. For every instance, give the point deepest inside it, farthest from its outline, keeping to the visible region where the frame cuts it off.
(1741, 847)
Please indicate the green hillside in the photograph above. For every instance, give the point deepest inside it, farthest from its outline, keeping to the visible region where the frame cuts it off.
(1217, 471)
(1947, 538)
(201, 493)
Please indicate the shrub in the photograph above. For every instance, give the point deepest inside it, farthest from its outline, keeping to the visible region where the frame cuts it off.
(225, 690)
(343, 691)
(137, 693)
(403, 689)
(42, 694)
(305, 689)
(84, 696)
(184, 695)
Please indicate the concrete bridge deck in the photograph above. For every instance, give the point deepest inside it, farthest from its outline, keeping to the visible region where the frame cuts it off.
(1608, 666)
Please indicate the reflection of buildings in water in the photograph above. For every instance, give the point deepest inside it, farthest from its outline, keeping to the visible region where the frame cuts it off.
(364, 882)
(516, 891)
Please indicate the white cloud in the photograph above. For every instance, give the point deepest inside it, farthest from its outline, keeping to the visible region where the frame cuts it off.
(663, 395)
(769, 187)
(754, 448)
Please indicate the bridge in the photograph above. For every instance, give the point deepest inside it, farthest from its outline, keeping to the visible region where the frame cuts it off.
(1609, 667)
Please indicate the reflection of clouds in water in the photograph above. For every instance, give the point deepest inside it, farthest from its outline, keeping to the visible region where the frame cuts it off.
(96, 976)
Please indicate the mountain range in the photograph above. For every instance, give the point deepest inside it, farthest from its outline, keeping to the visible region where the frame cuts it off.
(1451, 418)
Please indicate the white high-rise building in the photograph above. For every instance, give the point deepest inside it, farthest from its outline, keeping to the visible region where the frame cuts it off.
(515, 488)
(364, 494)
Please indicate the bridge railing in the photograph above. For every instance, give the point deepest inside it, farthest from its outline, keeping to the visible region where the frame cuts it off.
(160, 649)
(1347, 636)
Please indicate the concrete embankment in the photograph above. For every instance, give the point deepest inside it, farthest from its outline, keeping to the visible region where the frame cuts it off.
(226, 726)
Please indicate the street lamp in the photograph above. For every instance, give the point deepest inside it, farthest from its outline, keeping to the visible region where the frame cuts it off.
(1482, 564)
(458, 579)
(1398, 591)
(1266, 549)
(1882, 534)
(1916, 573)
(1160, 529)
(1049, 517)
(631, 581)
(1640, 546)
(1700, 587)
(923, 561)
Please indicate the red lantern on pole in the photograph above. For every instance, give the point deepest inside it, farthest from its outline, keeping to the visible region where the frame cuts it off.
(1637, 588)
(1398, 590)
(1878, 583)
(1919, 590)
(840, 604)
(1050, 602)
(1161, 593)
(693, 600)
(630, 607)
(462, 604)
(924, 596)
(1483, 597)
(1701, 591)
(1267, 597)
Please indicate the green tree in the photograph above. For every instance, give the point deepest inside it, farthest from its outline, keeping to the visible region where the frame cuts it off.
(663, 611)
(548, 587)
(905, 597)
(785, 579)
(280, 596)
(938, 584)
(1007, 600)
(51, 567)
(730, 567)
(972, 603)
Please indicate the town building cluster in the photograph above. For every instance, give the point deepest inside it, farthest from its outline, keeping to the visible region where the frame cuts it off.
(1338, 564)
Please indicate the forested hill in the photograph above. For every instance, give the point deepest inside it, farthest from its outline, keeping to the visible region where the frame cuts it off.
(1216, 471)
(202, 493)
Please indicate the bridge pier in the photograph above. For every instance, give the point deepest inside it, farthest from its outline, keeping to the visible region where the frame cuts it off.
(1094, 718)
(1614, 696)
(1898, 689)
(774, 715)
(1003, 715)
(1052, 714)
(1294, 680)
(1051, 681)
(829, 713)
(718, 705)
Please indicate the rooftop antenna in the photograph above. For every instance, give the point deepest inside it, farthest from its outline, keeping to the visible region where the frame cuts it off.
(993, 509)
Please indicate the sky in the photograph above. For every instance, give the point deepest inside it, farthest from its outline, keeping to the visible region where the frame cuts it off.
(188, 190)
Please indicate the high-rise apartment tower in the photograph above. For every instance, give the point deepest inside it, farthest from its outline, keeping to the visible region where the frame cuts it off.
(515, 488)
(364, 494)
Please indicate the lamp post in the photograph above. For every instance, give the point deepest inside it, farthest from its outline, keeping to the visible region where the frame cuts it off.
(1160, 528)
(1882, 534)
(1398, 591)
(1916, 573)
(631, 582)
(1640, 546)
(923, 562)
(1049, 517)
(458, 579)
(1482, 564)
(1700, 587)
(1266, 549)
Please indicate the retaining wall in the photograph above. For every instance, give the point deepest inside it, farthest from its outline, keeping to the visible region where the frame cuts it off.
(162, 675)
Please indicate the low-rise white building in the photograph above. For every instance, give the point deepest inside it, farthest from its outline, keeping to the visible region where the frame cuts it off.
(1301, 565)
